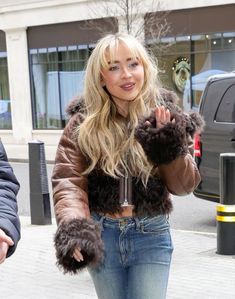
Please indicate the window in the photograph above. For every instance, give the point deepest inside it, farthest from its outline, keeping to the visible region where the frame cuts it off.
(57, 57)
(226, 109)
(214, 41)
(5, 104)
(198, 42)
(229, 40)
(206, 54)
(181, 45)
(57, 77)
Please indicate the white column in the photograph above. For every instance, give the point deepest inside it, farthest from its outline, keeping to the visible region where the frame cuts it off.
(19, 83)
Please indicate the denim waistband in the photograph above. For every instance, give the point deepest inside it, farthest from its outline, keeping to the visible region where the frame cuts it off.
(136, 222)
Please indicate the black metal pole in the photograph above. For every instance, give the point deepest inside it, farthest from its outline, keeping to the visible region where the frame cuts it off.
(40, 208)
(226, 209)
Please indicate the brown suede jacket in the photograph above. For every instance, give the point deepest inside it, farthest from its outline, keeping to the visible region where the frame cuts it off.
(76, 196)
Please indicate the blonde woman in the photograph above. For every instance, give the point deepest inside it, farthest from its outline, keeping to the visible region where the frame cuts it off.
(124, 150)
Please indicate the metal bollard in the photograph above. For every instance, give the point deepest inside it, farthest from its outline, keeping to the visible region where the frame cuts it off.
(226, 209)
(40, 208)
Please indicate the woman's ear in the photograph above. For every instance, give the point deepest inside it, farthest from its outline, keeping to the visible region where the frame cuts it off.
(102, 81)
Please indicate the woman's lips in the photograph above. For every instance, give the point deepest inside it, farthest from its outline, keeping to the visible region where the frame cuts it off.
(127, 86)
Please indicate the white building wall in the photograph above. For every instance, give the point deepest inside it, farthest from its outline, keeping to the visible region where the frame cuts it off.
(183, 4)
(16, 41)
(15, 17)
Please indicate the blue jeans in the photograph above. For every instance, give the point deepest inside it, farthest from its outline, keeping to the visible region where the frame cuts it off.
(137, 258)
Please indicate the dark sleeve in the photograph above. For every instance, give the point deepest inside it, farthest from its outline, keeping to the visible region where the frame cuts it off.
(9, 187)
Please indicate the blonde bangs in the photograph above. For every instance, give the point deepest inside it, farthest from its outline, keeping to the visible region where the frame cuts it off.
(111, 47)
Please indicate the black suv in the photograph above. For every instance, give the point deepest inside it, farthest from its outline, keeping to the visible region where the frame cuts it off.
(217, 107)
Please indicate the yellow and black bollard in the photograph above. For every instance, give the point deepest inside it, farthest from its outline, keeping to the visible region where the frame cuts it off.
(226, 209)
(225, 229)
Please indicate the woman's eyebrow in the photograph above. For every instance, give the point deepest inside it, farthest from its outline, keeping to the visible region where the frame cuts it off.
(114, 61)
(117, 61)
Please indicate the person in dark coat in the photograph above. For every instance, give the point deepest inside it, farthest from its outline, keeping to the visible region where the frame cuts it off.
(9, 219)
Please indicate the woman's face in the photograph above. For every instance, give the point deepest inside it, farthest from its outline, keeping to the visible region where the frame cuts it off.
(124, 78)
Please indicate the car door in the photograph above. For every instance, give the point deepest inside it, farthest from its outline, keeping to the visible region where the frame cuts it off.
(219, 134)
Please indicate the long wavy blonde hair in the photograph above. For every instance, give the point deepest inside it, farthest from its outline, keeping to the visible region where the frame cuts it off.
(103, 136)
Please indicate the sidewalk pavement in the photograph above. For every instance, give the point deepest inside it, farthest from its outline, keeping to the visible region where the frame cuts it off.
(196, 272)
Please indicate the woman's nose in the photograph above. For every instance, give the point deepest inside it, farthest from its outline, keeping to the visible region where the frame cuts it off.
(126, 73)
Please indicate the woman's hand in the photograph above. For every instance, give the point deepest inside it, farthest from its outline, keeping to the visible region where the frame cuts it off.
(77, 255)
(163, 116)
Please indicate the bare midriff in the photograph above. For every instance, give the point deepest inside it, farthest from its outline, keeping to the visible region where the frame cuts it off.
(126, 212)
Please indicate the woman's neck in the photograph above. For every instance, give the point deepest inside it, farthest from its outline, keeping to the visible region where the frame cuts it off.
(122, 109)
(122, 106)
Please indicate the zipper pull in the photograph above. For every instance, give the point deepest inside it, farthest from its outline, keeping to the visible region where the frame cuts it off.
(125, 190)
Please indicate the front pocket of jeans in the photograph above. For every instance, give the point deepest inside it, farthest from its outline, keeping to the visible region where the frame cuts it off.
(155, 225)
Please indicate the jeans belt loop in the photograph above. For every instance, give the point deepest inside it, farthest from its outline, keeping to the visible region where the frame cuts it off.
(122, 224)
(137, 223)
(101, 223)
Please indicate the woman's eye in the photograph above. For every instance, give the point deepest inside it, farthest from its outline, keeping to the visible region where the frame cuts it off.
(113, 68)
(133, 64)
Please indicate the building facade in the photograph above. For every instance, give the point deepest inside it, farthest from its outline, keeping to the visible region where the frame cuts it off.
(44, 46)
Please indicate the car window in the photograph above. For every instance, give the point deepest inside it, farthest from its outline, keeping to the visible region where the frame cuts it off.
(226, 109)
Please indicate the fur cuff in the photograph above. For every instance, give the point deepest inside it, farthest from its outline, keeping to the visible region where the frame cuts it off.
(195, 123)
(162, 145)
(78, 233)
